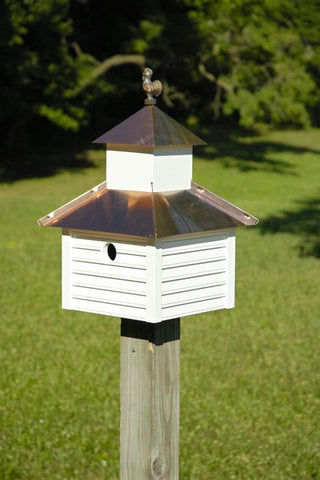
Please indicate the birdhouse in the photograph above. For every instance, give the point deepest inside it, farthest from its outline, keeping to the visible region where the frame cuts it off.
(148, 243)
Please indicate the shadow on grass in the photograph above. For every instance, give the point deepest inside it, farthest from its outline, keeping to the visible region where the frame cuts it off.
(303, 222)
(38, 164)
(235, 148)
(241, 150)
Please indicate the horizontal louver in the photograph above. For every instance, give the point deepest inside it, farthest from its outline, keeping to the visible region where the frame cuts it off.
(194, 307)
(104, 285)
(194, 277)
(145, 282)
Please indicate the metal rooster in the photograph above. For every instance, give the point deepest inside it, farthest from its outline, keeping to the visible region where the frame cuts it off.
(152, 89)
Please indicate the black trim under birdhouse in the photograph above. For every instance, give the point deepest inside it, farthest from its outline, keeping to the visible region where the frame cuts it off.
(156, 333)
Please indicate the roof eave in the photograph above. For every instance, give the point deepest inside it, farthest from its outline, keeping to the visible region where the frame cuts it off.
(51, 217)
(149, 216)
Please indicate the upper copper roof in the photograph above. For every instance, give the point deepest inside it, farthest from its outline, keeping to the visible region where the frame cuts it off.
(150, 127)
(151, 216)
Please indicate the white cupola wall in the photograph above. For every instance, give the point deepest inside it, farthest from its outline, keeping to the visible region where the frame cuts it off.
(160, 169)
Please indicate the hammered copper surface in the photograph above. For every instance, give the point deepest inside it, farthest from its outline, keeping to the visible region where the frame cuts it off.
(150, 215)
(150, 127)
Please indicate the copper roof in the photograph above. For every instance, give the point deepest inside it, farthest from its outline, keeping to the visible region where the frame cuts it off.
(150, 127)
(150, 216)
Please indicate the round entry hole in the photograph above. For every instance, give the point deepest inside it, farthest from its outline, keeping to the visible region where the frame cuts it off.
(112, 251)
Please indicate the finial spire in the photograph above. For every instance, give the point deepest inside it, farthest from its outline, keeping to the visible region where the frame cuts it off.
(152, 89)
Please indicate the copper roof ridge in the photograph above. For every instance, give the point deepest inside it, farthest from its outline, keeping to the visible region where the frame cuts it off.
(183, 131)
(225, 206)
(75, 202)
(152, 120)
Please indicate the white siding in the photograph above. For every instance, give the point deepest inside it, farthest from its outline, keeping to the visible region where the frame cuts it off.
(197, 276)
(98, 284)
(153, 284)
(66, 249)
(149, 283)
(231, 249)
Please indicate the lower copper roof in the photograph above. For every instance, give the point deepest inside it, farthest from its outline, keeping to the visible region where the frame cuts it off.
(148, 215)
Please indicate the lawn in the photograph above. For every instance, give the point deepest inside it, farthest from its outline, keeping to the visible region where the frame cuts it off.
(250, 377)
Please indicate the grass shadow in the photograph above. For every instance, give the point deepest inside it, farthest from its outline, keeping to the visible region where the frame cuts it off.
(41, 163)
(241, 150)
(303, 222)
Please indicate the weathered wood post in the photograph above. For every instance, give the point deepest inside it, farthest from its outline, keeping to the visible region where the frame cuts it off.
(150, 383)
(150, 246)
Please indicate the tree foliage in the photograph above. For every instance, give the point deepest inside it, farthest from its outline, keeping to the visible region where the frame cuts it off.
(256, 58)
(256, 61)
(37, 69)
(67, 63)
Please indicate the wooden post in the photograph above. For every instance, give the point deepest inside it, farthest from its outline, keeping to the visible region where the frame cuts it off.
(150, 394)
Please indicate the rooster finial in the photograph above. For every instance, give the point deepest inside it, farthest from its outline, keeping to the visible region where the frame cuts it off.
(152, 89)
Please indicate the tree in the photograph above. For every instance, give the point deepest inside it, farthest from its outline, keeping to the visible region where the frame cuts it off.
(38, 70)
(48, 82)
(256, 61)
(66, 63)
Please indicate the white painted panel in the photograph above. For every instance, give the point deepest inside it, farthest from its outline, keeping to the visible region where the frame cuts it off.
(195, 275)
(192, 243)
(193, 308)
(95, 242)
(172, 170)
(194, 282)
(194, 256)
(231, 270)
(149, 283)
(109, 296)
(168, 251)
(153, 284)
(66, 277)
(98, 284)
(192, 295)
(101, 255)
(116, 271)
(195, 269)
(161, 170)
(91, 256)
(135, 313)
(129, 170)
(121, 285)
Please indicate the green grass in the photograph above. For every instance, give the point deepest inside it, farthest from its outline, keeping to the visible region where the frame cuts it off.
(250, 377)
